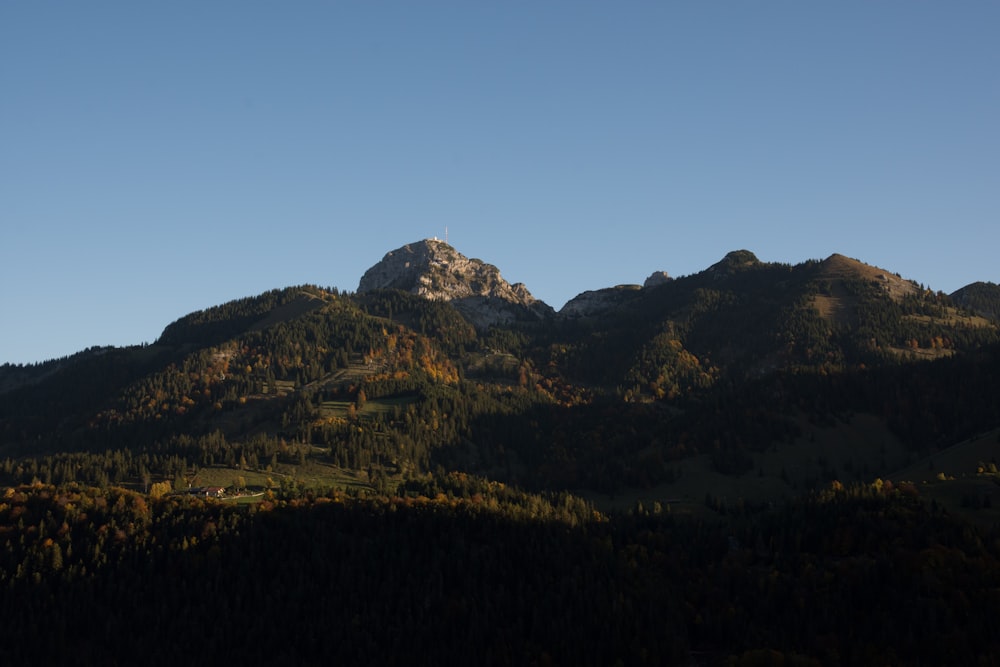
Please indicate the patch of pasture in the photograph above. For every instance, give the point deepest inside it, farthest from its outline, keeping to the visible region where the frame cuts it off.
(387, 405)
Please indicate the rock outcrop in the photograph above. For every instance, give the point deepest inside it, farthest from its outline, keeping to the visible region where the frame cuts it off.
(596, 302)
(593, 303)
(657, 278)
(435, 270)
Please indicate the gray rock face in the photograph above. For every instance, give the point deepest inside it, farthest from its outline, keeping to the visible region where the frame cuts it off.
(595, 302)
(657, 278)
(434, 270)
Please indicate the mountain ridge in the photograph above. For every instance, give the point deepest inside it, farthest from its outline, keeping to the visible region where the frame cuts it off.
(728, 428)
(494, 301)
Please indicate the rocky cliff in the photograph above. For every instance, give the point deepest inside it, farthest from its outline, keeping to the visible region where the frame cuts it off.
(596, 302)
(435, 270)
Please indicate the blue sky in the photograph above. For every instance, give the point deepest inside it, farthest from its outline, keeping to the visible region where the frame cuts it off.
(158, 158)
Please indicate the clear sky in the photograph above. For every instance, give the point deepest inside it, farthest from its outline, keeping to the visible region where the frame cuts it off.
(157, 158)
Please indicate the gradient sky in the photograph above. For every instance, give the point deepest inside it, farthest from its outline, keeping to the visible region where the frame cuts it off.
(161, 157)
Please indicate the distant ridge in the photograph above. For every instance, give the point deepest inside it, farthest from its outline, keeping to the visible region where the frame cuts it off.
(982, 298)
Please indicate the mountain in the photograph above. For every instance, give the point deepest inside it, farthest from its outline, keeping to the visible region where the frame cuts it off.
(685, 362)
(430, 331)
(595, 302)
(677, 471)
(981, 297)
(434, 270)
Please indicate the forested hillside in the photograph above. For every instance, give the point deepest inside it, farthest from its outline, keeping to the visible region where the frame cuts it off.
(982, 298)
(371, 476)
(481, 574)
(725, 362)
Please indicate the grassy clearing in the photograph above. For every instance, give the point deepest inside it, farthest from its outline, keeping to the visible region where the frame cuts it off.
(961, 479)
(498, 364)
(953, 318)
(836, 308)
(923, 353)
(372, 408)
(319, 474)
(314, 474)
(858, 450)
(960, 460)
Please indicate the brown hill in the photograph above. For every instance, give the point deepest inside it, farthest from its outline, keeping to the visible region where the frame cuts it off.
(838, 303)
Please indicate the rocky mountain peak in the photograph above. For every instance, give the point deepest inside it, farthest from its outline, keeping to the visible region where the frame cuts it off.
(657, 278)
(434, 270)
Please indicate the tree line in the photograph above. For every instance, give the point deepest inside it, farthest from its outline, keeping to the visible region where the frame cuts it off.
(480, 572)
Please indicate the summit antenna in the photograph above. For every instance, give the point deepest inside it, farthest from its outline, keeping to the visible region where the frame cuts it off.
(446, 234)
